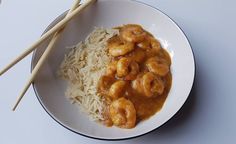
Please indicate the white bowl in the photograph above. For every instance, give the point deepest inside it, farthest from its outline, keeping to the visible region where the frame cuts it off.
(109, 13)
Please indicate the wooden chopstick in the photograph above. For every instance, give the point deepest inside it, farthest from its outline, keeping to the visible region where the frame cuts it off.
(46, 54)
(52, 31)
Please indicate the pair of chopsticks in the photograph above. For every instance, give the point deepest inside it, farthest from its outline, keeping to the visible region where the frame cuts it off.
(56, 30)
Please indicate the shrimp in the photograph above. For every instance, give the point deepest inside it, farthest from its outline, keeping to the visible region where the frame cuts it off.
(123, 113)
(137, 84)
(152, 85)
(165, 55)
(134, 70)
(121, 49)
(132, 33)
(127, 68)
(151, 44)
(122, 67)
(111, 68)
(138, 55)
(155, 44)
(105, 83)
(117, 89)
(117, 47)
(158, 66)
(144, 45)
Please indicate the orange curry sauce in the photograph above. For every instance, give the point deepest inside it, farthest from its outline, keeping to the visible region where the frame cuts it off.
(150, 60)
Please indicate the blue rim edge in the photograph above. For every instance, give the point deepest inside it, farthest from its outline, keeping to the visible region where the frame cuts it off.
(128, 137)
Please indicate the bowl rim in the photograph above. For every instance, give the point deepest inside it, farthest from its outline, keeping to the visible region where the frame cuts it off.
(116, 139)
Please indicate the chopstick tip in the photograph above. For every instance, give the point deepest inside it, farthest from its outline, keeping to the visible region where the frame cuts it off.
(14, 107)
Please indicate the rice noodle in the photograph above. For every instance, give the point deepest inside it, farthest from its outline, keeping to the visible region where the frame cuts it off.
(82, 67)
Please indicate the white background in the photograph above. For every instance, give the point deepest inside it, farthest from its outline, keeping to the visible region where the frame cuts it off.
(209, 115)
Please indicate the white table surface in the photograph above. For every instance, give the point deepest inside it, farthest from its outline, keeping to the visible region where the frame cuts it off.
(209, 115)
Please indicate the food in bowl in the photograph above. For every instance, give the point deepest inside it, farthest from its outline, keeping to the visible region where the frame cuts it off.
(118, 76)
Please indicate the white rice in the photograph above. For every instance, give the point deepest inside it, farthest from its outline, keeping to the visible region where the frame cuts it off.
(82, 67)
